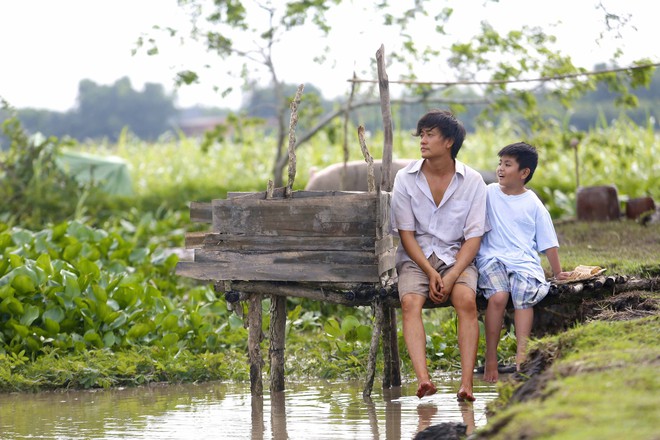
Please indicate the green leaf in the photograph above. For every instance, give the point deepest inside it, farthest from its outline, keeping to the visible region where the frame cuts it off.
(44, 262)
(169, 339)
(331, 327)
(93, 338)
(23, 284)
(31, 313)
(348, 323)
(51, 326)
(55, 314)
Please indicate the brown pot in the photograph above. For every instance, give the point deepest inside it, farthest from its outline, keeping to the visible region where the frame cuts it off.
(638, 206)
(598, 203)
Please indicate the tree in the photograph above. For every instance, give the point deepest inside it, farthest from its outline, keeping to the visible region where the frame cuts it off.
(251, 32)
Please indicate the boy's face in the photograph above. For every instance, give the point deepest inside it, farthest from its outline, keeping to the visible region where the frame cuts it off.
(509, 173)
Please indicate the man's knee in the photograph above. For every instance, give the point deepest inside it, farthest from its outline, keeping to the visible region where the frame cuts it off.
(464, 299)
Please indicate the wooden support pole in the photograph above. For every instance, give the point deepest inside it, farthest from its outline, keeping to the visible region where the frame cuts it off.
(395, 360)
(255, 336)
(373, 349)
(277, 342)
(387, 347)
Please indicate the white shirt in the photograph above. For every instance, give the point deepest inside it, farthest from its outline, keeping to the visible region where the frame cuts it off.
(521, 227)
(439, 229)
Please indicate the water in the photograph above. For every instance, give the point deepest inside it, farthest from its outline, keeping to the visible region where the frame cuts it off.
(318, 410)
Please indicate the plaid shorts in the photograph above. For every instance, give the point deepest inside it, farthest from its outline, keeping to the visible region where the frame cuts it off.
(526, 291)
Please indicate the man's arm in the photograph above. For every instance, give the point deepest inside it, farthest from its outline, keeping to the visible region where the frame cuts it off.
(414, 251)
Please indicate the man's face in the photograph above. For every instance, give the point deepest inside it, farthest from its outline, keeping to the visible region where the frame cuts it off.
(433, 143)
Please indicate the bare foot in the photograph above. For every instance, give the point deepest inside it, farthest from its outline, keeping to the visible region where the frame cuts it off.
(426, 388)
(491, 374)
(464, 395)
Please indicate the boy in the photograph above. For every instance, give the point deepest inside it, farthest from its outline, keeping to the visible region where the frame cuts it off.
(508, 260)
(439, 212)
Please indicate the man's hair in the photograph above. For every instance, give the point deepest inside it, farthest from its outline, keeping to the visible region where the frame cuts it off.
(525, 155)
(449, 126)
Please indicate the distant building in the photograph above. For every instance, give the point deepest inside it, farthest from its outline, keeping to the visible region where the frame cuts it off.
(197, 126)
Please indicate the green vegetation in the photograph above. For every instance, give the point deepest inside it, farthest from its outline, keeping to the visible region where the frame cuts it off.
(88, 279)
(602, 384)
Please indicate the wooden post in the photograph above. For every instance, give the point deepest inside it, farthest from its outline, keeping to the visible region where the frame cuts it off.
(373, 349)
(392, 369)
(254, 348)
(277, 342)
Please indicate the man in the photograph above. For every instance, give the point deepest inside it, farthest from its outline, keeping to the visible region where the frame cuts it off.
(439, 213)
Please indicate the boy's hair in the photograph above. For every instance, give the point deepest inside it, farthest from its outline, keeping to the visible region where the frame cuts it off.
(525, 155)
(449, 126)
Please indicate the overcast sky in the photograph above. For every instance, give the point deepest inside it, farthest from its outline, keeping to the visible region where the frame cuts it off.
(48, 46)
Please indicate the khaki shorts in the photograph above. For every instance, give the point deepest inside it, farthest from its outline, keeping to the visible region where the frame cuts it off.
(412, 278)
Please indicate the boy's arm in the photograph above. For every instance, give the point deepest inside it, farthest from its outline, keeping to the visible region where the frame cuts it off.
(553, 258)
(414, 251)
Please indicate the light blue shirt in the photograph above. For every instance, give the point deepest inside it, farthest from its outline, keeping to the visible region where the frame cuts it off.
(521, 227)
(443, 228)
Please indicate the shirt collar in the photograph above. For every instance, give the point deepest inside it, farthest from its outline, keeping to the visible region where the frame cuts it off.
(460, 167)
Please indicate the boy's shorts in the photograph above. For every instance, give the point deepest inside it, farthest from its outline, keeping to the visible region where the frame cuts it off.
(412, 278)
(526, 291)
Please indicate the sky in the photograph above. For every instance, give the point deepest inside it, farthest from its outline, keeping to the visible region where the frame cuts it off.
(48, 46)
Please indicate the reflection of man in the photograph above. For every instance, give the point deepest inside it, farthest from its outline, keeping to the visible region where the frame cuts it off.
(439, 213)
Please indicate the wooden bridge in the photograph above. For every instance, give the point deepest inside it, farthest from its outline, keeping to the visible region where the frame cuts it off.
(331, 246)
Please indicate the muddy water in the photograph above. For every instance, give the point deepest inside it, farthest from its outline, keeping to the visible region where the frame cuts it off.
(318, 410)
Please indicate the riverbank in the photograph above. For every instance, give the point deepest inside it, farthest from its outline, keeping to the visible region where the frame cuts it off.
(596, 380)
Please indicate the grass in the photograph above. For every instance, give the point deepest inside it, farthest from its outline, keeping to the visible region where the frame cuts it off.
(601, 385)
(624, 247)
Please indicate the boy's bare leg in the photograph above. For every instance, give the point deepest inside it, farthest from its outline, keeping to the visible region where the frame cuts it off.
(415, 337)
(522, 319)
(494, 317)
(464, 301)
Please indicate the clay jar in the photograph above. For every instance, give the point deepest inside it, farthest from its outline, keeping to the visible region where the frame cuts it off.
(598, 203)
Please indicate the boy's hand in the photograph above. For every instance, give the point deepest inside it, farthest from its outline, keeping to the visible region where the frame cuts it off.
(563, 275)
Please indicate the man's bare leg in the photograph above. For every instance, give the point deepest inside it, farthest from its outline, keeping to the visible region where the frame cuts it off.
(464, 301)
(522, 320)
(415, 337)
(494, 317)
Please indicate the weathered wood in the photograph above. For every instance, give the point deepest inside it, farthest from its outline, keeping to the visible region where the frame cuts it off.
(384, 89)
(387, 347)
(200, 212)
(371, 179)
(395, 359)
(215, 241)
(373, 348)
(195, 240)
(254, 341)
(288, 266)
(293, 121)
(349, 216)
(277, 342)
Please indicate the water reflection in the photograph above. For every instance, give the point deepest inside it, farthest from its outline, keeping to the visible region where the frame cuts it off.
(319, 410)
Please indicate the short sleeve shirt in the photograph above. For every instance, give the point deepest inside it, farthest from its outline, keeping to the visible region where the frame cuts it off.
(443, 228)
(521, 228)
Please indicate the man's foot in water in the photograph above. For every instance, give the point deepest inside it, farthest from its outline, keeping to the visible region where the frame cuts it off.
(464, 395)
(426, 388)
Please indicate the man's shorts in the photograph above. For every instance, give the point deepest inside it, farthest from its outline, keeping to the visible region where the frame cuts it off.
(526, 291)
(412, 278)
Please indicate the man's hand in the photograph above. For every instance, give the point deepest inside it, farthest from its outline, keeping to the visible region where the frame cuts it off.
(436, 285)
(448, 282)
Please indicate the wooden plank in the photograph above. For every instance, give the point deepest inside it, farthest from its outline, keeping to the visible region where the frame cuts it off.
(284, 257)
(347, 215)
(386, 261)
(200, 212)
(195, 240)
(303, 272)
(215, 241)
(384, 244)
